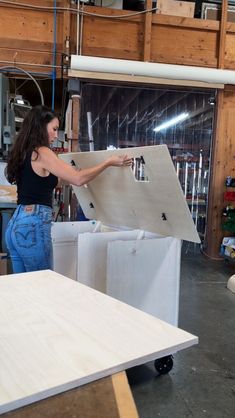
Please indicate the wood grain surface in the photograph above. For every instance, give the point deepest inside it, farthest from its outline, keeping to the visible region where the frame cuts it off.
(57, 334)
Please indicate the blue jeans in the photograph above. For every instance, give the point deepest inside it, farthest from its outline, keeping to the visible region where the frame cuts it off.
(28, 238)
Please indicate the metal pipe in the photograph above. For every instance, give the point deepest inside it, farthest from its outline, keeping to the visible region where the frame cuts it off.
(54, 60)
(90, 133)
(78, 28)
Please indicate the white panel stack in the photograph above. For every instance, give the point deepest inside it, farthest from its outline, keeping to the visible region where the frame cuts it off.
(64, 240)
(92, 256)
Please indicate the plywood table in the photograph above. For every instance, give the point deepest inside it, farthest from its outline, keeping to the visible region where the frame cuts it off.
(57, 335)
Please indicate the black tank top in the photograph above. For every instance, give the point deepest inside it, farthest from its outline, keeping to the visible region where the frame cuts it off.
(34, 189)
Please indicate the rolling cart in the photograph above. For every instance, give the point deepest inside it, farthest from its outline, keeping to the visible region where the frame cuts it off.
(131, 249)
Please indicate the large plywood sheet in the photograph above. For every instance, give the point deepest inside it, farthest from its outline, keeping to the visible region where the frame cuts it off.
(115, 197)
(64, 239)
(68, 231)
(8, 194)
(57, 334)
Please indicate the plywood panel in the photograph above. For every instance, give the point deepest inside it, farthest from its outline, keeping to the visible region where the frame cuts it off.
(113, 38)
(177, 40)
(197, 40)
(93, 247)
(184, 46)
(185, 22)
(29, 37)
(146, 274)
(229, 59)
(8, 194)
(41, 62)
(57, 334)
(65, 251)
(68, 231)
(222, 36)
(32, 26)
(147, 31)
(157, 205)
(23, 23)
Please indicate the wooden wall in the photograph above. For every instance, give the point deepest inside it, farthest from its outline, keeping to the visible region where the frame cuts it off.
(27, 41)
(173, 40)
(27, 36)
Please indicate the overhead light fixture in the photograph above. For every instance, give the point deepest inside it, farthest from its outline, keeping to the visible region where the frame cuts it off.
(172, 122)
(151, 69)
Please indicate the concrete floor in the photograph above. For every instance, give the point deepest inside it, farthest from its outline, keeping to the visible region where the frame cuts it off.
(202, 380)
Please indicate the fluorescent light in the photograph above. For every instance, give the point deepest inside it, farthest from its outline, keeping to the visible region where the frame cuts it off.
(171, 122)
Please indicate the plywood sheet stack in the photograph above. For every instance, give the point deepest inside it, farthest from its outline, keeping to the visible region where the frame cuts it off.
(176, 8)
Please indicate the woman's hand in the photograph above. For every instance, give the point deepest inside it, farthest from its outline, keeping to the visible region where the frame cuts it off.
(119, 161)
(50, 162)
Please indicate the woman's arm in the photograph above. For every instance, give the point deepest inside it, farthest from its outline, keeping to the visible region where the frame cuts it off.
(48, 160)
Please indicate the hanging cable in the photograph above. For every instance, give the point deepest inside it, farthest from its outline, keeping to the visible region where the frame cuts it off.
(29, 75)
(70, 9)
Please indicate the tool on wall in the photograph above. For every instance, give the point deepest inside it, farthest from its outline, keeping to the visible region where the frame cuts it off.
(12, 113)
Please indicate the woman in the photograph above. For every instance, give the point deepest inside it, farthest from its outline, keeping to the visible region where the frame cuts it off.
(35, 169)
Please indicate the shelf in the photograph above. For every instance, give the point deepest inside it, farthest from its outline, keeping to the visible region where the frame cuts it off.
(191, 147)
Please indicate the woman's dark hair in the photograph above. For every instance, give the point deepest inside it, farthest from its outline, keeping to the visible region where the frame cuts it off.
(32, 135)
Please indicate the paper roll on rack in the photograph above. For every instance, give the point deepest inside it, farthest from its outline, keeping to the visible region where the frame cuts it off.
(151, 69)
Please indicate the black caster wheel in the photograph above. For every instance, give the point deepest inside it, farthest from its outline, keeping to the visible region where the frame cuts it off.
(164, 365)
